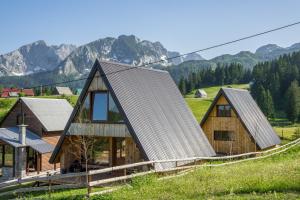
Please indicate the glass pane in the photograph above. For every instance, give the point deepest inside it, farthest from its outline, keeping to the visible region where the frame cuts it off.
(100, 153)
(1, 154)
(113, 112)
(84, 115)
(100, 107)
(8, 158)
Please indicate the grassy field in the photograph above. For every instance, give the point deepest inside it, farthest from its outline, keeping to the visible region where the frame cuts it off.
(277, 177)
(5, 105)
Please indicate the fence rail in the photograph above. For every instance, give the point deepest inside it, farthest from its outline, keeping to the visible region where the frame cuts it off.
(49, 178)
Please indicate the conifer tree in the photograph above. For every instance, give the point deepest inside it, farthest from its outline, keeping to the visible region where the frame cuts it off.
(293, 102)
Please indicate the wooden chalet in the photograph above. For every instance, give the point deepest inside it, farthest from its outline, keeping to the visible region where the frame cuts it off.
(200, 93)
(234, 124)
(133, 114)
(29, 133)
(63, 91)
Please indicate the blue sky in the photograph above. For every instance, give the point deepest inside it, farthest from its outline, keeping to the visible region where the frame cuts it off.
(180, 25)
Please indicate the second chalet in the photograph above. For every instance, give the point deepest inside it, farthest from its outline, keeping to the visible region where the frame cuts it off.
(234, 124)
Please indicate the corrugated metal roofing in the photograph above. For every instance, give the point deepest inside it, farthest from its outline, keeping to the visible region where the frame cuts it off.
(52, 113)
(155, 112)
(64, 90)
(251, 116)
(11, 136)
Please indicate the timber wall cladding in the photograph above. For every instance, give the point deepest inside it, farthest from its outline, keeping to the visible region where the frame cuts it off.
(51, 138)
(33, 123)
(242, 142)
(105, 130)
(97, 83)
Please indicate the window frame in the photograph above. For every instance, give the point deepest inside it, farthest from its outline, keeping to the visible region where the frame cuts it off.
(225, 111)
(3, 164)
(91, 95)
(92, 99)
(222, 132)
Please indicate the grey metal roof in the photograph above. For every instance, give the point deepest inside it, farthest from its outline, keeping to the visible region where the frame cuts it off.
(155, 112)
(64, 90)
(11, 136)
(251, 116)
(52, 113)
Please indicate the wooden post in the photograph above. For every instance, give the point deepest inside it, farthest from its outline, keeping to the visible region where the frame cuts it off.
(89, 187)
(49, 186)
(41, 90)
(125, 173)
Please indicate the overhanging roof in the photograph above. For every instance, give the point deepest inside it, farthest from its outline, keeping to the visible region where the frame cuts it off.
(11, 137)
(155, 112)
(52, 113)
(250, 115)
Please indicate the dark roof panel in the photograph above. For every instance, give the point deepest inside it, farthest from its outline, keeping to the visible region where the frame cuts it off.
(157, 112)
(11, 136)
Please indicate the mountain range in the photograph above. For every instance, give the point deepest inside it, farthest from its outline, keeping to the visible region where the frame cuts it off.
(69, 59)
(38, 60)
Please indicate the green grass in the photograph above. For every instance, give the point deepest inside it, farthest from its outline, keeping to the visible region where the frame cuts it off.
(276, 177)
(5, 105)
(55, 195)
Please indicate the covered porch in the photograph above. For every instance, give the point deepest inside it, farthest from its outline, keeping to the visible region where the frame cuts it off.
(105, 152)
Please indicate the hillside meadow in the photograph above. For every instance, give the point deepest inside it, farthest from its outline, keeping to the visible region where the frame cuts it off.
(277, 177)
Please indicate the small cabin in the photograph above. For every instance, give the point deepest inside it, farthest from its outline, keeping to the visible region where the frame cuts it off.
(200, 93)
(29, 133)
(131, 114)
(63, 91)
(234, 124)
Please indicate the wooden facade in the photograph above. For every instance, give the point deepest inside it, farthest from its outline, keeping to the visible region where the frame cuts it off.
(111, 132)
(240, 141)
(14, 118)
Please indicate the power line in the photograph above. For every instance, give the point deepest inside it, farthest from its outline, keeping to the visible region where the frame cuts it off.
(181, 55)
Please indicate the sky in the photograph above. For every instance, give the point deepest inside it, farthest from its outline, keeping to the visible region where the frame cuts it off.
(180, 25)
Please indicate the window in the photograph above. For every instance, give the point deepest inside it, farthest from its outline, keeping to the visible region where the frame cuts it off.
(99, 155)
(223, 135)
(223, 111)
(1, 155)
(113, 112)
(8, 155)
(100, 106)
(85, 113)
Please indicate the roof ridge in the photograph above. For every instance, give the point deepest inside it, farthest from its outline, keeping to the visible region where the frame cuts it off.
(239, 89)
(50, 99)
(132, 66)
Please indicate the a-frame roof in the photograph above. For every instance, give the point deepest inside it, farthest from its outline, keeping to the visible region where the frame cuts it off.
(154, 111)
(250, 116)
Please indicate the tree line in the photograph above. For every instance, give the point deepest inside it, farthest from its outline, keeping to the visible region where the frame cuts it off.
(275, 86)
(233, 73)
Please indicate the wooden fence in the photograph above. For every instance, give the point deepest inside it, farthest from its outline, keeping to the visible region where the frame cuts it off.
(150, 166)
